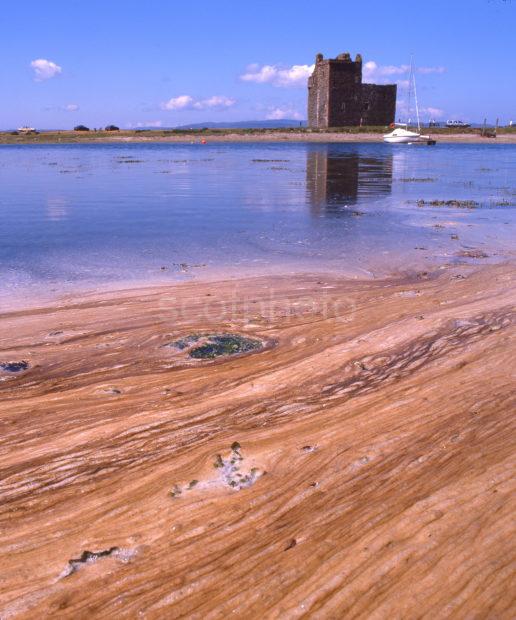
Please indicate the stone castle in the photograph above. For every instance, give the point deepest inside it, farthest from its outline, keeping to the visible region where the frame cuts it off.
(338, 98)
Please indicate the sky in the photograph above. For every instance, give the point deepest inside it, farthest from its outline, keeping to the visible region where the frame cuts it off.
(167, 63)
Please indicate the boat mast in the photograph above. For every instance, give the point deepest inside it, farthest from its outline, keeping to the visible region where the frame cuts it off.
(415, 96)
(409, 93)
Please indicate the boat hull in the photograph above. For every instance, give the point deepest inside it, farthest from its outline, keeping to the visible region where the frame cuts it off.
(403, 136)
(406, 139)
(399, 140)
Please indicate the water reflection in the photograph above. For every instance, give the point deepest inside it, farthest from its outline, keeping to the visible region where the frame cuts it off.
(57, 209)
(335, 179)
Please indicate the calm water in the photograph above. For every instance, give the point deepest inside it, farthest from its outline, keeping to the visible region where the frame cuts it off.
(87, 215)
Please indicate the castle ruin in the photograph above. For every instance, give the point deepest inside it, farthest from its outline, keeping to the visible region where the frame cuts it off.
(338, 98)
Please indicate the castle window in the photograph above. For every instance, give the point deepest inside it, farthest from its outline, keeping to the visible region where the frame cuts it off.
(343, 106)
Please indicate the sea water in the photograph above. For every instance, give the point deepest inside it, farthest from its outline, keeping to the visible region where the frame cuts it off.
(84, 216)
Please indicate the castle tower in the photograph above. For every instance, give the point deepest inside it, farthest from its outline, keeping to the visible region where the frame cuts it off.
(337, 97)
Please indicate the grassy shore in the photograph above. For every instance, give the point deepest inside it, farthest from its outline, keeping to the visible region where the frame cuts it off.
(296, 134)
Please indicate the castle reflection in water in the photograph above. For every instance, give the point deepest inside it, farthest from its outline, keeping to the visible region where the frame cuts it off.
(336, 178)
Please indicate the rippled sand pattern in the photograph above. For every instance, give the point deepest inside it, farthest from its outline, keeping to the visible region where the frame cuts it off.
(358, 465)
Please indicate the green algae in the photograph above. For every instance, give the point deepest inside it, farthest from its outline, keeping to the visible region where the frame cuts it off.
(217, 345)
(14, 366)
(210, 346)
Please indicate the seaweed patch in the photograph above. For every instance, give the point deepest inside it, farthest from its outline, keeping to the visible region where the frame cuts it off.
(417, 180)
(224, 344)
(211, 346)
(14, 366)
(230, 469)
(474, 253)
(459, 204)
(269, 161)
(232, 472)
(90, 557)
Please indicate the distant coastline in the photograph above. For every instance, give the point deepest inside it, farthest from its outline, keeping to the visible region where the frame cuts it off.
(506, 135)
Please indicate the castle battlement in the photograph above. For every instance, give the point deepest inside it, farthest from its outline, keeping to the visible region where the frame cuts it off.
(338, 98)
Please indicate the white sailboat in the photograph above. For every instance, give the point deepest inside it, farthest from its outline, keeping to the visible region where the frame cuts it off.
(404, 136)
(401, 134)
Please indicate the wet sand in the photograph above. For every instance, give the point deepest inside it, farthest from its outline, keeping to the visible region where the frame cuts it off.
(358, 465)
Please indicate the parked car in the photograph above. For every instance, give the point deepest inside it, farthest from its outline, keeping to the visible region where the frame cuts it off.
(460, 124)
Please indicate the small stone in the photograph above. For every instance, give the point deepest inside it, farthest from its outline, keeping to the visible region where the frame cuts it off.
(218, 461)
(113, 391)
(292, 543)
(176, 491)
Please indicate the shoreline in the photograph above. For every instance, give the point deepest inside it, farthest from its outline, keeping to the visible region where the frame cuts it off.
(41, 295)
(252, 136)
(372, 425)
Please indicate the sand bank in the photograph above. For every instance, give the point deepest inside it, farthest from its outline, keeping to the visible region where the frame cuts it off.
(358, 462)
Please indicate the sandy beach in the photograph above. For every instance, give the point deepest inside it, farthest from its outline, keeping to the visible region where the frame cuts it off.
(505, 136)
(257, 346)
(356, 463)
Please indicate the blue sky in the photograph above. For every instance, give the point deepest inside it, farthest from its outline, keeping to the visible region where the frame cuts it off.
(136, 62)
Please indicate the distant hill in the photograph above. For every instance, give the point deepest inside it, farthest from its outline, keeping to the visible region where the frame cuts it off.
(272, 124)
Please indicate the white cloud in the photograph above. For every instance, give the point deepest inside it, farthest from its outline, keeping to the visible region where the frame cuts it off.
(145, 124)
(178, 103)
(279, 113)
(403, 111)
(69, 107)
(216, 101)
(373, 71)
(431, 69)
(45, 69)
(433, 112)
(296, 75)
(186, 102)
